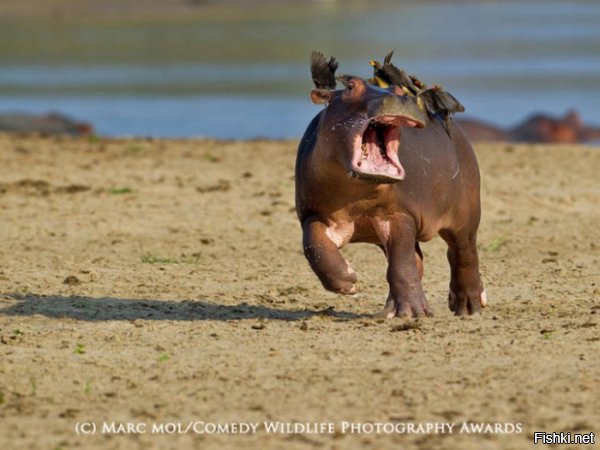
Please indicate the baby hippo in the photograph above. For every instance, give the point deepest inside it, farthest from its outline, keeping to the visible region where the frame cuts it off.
(373, 167)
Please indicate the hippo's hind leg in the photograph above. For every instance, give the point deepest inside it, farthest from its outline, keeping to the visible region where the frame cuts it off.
(325, 259)
(466, 295)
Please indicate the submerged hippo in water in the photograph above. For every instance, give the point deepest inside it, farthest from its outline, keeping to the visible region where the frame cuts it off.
(374, 167)
(537, 128)
(46, 124)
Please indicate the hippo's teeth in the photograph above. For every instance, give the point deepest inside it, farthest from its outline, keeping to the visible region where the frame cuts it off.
(363, 147)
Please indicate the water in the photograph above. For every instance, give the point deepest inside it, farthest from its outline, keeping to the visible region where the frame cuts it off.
(245, 74)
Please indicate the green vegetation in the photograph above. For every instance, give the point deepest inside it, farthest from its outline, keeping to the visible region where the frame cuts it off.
(163, 357)
(120, 190)
(33, 384)
(79, 349)
(23, 290)
(134, 149)
(150, 258)
(211, 158)
(496, 244)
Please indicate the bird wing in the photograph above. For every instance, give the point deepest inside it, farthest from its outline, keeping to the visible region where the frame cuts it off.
(437, 100)
(323, 71)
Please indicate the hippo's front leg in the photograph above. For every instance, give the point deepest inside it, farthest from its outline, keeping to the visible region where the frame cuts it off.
(325, 259)
(406, 297)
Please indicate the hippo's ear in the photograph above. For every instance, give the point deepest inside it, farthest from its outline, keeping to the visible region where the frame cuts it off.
(320, 96)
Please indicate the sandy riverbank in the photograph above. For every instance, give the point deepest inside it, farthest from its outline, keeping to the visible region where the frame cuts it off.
(156, 281)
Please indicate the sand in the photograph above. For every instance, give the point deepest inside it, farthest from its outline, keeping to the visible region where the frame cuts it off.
(160, 282)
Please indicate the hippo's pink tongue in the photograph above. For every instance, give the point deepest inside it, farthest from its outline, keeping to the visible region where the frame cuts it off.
(371, 142)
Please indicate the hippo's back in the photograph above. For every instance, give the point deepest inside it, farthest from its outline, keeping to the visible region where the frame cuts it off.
(442, 175)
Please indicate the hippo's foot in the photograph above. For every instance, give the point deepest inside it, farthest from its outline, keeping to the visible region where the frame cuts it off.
(466, 302)
(413, 307)
(341, 287)
(341, 282)
(325, 259)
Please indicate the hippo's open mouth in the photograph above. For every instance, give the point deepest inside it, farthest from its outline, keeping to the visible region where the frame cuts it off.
(375, 155)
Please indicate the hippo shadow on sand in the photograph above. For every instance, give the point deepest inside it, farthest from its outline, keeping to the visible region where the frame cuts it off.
(108, 308)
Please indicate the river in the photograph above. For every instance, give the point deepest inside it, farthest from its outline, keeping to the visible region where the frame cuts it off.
(246, 74)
